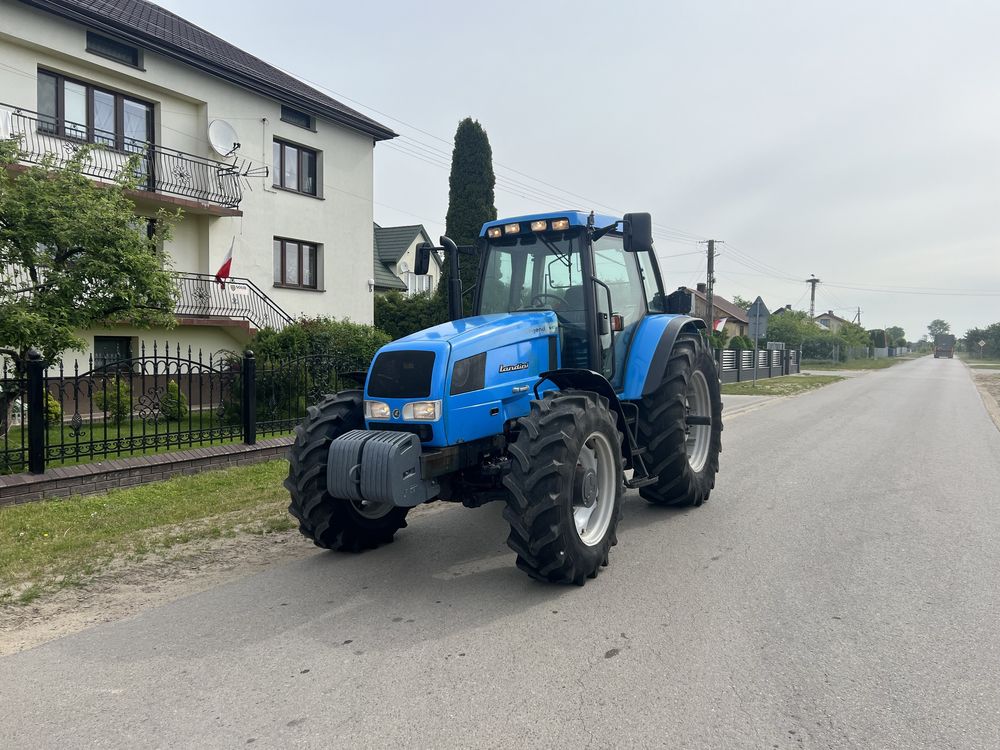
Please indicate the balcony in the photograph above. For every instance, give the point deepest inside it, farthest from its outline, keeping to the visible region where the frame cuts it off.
(203, 299)
(173, 177)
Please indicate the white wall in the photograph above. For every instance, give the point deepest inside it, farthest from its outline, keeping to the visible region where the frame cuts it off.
(185, 101)
(410, 258)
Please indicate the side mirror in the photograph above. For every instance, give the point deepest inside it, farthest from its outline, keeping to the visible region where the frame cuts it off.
(638, 233)
(423, 260)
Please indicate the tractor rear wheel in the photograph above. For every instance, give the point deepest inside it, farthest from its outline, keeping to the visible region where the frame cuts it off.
(680, 423)
(332, 522)
(565, 487)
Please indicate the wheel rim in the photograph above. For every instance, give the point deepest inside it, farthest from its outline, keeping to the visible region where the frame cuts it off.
(698, 403)
(594, 491)
(370, 510)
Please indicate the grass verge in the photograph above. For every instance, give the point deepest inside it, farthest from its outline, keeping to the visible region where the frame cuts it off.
(787, 385)
(57, 543)
(854, 364)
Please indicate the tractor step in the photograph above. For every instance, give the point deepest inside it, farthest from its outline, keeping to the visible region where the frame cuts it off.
(636, 482)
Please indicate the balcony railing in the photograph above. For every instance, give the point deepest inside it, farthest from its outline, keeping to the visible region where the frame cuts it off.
(158, 169)
(201, 296)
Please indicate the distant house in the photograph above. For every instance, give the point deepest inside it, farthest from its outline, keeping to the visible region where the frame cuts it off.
(830, 322)
(395, 258)
(737, 322)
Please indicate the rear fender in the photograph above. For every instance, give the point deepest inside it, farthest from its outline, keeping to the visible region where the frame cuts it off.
(650, 351)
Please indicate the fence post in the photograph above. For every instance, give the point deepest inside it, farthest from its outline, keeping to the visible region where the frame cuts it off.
(786, 362)
(739, 365)
(36, 412)
(249, 377)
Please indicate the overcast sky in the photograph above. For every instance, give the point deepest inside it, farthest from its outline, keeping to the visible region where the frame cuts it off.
(857, 141)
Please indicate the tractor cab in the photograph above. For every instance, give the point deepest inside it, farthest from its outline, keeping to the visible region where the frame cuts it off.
(598, 275)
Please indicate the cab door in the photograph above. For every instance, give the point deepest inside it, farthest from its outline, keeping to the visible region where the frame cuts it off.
(620, 281)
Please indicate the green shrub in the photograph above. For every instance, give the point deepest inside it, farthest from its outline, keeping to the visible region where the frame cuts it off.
(303, 361)
(115, 400)
(740, 342)
(53, 411)
(173, 403)
(718, 339)
(350, 346)
(399, 315)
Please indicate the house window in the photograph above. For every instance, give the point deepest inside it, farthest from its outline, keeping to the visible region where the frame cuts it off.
(73, 109)
(111, 349)
(296, 264)
(297, 118)
(417, 284)
(295, 167)
(112, 49)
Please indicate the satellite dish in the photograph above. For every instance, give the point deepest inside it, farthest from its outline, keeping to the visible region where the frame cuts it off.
(404, 267)
(223, 137)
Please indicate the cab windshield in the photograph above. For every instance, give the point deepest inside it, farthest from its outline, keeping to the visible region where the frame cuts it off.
(533, 272)
(540, 272)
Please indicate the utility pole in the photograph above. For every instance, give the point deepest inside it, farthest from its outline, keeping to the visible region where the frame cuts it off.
(857, 318)
(812, 294)
(710, 286)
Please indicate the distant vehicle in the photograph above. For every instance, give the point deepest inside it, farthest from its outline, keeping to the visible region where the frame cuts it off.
(944, 345)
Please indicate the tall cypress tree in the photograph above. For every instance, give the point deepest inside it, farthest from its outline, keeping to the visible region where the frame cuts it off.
(470, 196)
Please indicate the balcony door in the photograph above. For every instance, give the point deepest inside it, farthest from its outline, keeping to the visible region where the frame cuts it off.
(83, 112)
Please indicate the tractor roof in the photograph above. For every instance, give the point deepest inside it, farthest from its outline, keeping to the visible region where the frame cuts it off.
(576, 219)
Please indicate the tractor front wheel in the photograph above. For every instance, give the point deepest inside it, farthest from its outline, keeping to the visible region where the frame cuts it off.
(680, 423)
(332, 522)
(565, 487)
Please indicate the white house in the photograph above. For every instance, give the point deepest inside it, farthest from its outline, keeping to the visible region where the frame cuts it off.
(395, 259)
(257, 160)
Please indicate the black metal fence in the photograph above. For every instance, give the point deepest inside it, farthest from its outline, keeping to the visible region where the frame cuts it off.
(201, 296)
(162, 400)
(738, 365)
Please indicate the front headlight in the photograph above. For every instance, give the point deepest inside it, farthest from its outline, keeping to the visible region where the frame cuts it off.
(377, 410)
(422, 411)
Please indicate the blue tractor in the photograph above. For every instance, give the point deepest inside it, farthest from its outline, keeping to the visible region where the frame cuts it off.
(573, 370)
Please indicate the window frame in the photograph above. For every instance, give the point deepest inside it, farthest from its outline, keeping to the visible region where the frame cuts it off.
(279, 168)
(103, 363)
(119, 97)
(311, 126)
(281, 281)
(94, 36)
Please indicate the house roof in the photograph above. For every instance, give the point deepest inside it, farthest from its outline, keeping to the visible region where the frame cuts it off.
(723, 305)
(830, 316)
(155, 28)
(392, 242)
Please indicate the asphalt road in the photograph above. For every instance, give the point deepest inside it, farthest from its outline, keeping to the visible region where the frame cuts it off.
(840, 590)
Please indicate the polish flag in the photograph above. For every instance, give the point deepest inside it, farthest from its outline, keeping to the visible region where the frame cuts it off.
(720, 323)
(223, 273)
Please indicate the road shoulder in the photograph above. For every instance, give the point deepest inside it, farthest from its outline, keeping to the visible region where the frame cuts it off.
(987, 382)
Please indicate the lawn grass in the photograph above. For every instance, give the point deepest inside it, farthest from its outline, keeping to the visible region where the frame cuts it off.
(56, 543)
(973, 360)
(854, 364)
(787, 385)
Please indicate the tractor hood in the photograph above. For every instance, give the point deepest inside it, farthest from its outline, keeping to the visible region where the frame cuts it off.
(505, 353)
